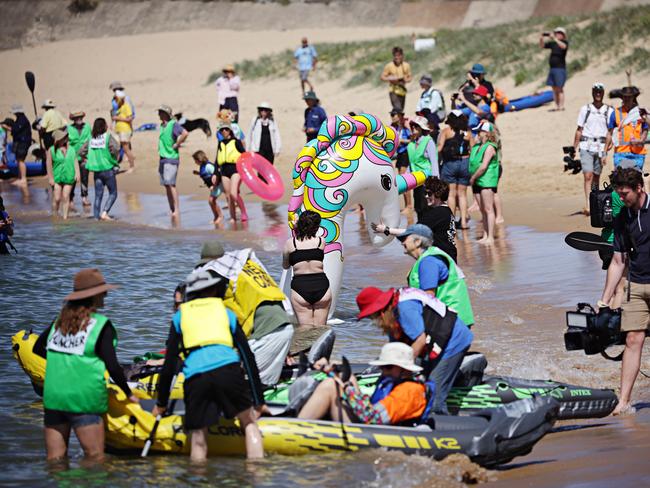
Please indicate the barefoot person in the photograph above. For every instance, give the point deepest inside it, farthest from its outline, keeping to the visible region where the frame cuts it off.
(214, 345)
(100, 158)
(423, 156)
(170, 138)
(453, 146)
(228, 152)
(78, 135)
(21, 138)
(212, 179)
(79, 347)
(123, 119)
(398, 122)
(61, 161)
(310, 289)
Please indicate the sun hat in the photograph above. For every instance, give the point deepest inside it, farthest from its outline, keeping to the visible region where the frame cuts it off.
(17, 108)
(265, 105)
(372, 300)
(228, 67)
(561, 30)
(421, 122)
(79, 114)
(481, 90)
(598, 86)
(210, 251)
(420, 230)
(310, 95)
(88, 283)
(225, 125)
(397, 354)
(200, 280)
(48, 103)
(116, 85)
(165, 108)
(630, 91)
(59, 135)
(478, 69)
(426, 78)
(484, 126)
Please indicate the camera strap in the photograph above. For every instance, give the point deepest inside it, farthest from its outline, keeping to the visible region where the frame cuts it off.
(617, 358)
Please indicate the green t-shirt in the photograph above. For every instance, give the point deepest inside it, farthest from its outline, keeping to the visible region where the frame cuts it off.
(268, 317)
(617, 204)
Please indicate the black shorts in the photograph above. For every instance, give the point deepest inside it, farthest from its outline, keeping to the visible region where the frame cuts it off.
(58, 417)
(477, 189)
(20, 150)
(402, 160)
(220, 391)
(228, 169)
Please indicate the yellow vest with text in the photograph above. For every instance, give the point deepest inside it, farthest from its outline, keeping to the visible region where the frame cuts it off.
(254, 287)
(204, 322)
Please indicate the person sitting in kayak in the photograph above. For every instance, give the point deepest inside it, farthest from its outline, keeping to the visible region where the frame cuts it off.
(208, 335)
(438, 336)
(397, 399)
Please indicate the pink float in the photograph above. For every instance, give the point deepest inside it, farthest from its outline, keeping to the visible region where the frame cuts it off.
(260, 176)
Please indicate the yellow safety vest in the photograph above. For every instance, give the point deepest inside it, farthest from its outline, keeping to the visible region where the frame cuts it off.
(228, 152)
(204, 322)
(254, 286)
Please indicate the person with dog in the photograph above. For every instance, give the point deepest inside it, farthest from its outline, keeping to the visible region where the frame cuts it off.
(397, 74)
(79, 347)
(21, 138)
(439, 337)
(221, 376)
(62, 170)
(78, 135)
(631, 248)
(228, 91)
(228, 152)
(314, 115)
(264, 134)
(558, 42)
(212, 179)
(628, 129)
(170, 138)
(590, 139)
(305, 60)
(123, 120)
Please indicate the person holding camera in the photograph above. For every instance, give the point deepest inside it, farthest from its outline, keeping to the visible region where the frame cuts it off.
(558, 42)
(475, 78)
(397, 73)
(631, 247)
(590, 137)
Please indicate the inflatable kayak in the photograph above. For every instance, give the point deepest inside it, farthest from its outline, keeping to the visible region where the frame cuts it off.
(471, 393)
(34, 168)
(489, 437)
(531, 101)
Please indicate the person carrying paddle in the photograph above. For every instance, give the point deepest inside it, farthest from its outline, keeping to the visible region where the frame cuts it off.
(214, 345)
(79, 347)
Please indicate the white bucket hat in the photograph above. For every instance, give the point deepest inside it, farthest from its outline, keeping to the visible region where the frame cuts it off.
(420, 121)
(200, 280)
(397, 354)
(265, 105)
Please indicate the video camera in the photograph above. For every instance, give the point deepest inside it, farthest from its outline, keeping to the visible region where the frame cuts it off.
(570, 162)
(593, 331)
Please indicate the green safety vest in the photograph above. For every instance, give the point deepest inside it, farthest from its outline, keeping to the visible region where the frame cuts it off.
(166, 141)
(74, 374)
(490, 178)
(417, 160)
(99, 154)
(63, 165)
(76, 139)
(453, 292)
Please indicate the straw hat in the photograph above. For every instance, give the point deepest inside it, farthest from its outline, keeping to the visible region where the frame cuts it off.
(59, 135)
(79, 114)
(372, 300)
(397, 354)
(228, 68)
(88, 283)
(48, 103)
(165, 108)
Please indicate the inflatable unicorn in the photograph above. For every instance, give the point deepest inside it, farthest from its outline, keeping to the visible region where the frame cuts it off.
(348, 163)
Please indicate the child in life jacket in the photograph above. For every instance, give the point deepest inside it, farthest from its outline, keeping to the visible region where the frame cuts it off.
(229, 150)
(212, 179)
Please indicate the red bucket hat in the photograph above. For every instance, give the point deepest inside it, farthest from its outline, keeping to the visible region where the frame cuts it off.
(372, 300)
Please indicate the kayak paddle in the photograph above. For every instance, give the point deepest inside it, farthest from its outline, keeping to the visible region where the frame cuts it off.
(587, 241)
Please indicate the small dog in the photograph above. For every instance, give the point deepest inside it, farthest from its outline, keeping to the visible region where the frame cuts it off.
(190, 125)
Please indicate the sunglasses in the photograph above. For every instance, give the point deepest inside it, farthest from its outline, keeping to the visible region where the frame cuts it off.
(428, 194)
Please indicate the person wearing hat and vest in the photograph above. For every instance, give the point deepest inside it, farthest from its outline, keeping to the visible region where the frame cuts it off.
(100, 158)
(228, 90)
(628, 129)
(78, 135)
(314, 115)
(170, 137)
(558, 42)
(221, 376)
(21, 139)
(423, 156)
(256, 300)
(439, 337)
(590, 139)
(399, 397)
(62, 170)
(79, 347)
(485, 168)
(431, 104)
(228, 152)
(264, 134)
(52, 120)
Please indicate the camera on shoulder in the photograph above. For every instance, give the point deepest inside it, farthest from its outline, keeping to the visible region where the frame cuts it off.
(593, 332)
(570, 162)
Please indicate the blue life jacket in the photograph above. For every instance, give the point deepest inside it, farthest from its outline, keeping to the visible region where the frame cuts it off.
(387, 383)
(206, 175)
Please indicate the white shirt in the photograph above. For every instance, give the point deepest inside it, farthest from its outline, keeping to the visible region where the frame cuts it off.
(594, 126)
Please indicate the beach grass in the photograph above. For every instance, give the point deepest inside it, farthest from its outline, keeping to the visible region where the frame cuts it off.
(617, 37)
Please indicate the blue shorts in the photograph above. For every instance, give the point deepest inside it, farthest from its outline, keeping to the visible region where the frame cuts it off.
(456, 172)
(304, 74)
(556, 77)
(639, 159)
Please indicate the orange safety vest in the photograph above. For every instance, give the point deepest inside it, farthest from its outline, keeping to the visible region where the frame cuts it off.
(626, 132)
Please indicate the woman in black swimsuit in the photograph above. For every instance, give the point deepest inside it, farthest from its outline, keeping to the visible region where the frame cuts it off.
(310, 289)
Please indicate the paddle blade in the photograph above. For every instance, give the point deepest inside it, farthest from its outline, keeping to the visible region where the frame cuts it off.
(30, 79)
(346, 370)
(587, 241)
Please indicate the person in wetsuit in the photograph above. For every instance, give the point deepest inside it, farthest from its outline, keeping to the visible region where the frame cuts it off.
(310, 289)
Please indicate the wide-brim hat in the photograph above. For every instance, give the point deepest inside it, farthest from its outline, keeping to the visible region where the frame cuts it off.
(88, 283)
(421, 122)
(265, 105)
(59, 135)
(116, 85)
(210, 251)
(228, 67)
(372, 300)
(17, 109)
(200, 280)
(397, 354)
(79, 114)
(630, 91)
(48, 103)
(310, 95)
(165, 108)
(225, 125)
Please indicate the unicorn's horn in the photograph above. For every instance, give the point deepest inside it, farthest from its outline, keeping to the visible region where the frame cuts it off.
(408, 181)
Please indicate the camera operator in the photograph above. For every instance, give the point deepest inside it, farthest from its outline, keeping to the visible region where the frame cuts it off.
(558, 42)
(6, 228)
(631, 241)
(590, 137)
(475, 78)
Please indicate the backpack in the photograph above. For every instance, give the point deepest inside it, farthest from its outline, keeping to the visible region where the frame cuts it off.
(600, 207)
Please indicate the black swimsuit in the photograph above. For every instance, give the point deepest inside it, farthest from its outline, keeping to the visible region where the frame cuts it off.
(311, 286)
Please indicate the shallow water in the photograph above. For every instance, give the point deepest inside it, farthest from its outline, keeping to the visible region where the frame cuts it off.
(519, 289)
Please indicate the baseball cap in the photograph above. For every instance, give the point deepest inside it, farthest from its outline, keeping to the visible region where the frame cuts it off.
(417, 230)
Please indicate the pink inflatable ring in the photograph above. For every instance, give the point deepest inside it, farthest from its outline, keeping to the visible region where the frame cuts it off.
(252, 168)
